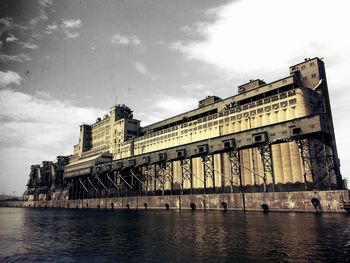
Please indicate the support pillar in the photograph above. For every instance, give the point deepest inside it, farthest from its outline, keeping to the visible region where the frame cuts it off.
(186, 173)
(165, 174)
(266, 157)
(208, 168)
(235, 170)
(308, 173)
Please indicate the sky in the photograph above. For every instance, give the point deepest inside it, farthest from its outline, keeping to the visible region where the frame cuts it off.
(64, 63)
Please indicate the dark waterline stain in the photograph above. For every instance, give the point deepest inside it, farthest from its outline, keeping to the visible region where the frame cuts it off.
(59, 235)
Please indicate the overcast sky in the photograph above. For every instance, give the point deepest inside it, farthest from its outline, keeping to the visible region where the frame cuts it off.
(63, 63)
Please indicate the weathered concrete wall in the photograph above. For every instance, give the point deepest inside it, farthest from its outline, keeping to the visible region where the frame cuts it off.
(329, 201)
(324, 201)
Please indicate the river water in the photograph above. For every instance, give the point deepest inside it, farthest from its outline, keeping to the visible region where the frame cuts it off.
(60, 235)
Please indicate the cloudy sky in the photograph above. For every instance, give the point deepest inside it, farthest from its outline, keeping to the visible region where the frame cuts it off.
(63, 63)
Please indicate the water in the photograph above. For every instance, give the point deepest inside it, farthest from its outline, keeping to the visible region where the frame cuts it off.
(59, 235)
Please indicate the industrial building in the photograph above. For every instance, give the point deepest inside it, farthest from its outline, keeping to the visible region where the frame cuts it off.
(269, 137)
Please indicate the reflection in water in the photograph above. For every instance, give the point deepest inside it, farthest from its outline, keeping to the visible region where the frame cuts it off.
(42, 235)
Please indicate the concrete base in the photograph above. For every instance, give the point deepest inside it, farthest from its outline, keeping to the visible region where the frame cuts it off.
(306, 201)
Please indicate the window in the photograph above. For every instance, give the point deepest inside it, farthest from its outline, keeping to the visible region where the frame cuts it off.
(292, 101)
(283, 95)
(267, 100)
(303, 67)
(274, 98)
(313, 76)
(291, 92)
(312, 64)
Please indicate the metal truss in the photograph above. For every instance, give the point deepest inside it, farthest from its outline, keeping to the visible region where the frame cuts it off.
(304, 150)
(324, 162)
(149, 179)
(114, 189)
(235, 170)
(266, 157)
(135, 178)
(209, 172)
(186, 173)
(165, 174)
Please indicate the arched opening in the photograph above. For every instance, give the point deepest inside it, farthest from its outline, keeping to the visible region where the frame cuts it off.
(265, 207)
(193, 206)
(224, 205)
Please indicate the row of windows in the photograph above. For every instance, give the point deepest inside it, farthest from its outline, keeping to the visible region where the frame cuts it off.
(95, 151)
(312, 64)
(167, 136)
(238, 117)
(225, 113)
(244, 107)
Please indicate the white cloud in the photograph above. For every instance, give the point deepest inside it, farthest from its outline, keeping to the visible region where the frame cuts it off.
(262, 36)
(51, 28)
(33, 129)
(42, 17)
(165, 106)
(45, 3)
(126, 40)
(11, 38)
(17, 58)
(71, 23)
(29, 45)
(141, 68)
(260, 39)
(72, 34)
(70, 27)
(9, 78)
(197, 90)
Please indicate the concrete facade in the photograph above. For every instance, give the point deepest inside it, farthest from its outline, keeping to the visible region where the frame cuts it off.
(307, 201)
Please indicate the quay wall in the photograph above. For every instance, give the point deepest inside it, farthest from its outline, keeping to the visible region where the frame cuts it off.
(305, 201)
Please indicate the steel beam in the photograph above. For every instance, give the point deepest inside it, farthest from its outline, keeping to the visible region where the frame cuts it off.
(82, 184)
(323, 162)
(150, 179)
(304, 151)
(125, 182)
(186, 173)
(208, 168)
(235, 170)
(165, 174)
(266, 158)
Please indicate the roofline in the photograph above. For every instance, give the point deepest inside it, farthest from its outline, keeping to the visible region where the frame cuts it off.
(178, 115)
(317, 58)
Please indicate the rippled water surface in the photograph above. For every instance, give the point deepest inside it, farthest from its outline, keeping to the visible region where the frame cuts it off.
(58, 235)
